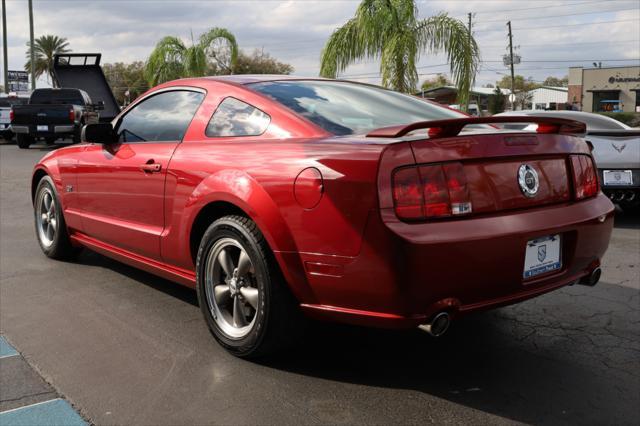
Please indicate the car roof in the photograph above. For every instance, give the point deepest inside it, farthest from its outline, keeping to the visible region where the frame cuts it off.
(258, 78)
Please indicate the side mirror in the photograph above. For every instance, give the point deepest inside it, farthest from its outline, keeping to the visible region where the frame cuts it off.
(99, 133)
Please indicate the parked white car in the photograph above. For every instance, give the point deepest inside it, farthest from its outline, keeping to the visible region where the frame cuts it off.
(6, 102)
(616, 149)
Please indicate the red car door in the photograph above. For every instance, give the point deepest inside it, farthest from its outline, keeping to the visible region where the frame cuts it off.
(121, 186)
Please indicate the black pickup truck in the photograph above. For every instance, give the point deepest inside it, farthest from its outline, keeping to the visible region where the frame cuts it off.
(50, 114)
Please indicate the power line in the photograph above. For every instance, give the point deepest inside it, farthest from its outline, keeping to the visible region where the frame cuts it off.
(564, 25)
(542, 7)
(560, 16)
(494, 20)
(564, 44)
(576, 60)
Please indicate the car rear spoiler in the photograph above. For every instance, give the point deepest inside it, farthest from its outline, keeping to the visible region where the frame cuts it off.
(451, 127)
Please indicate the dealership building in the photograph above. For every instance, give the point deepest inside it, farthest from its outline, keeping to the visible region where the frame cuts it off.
(605, 89)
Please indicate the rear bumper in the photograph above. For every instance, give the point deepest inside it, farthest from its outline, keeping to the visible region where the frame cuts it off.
(622, 194)
(406, 273)
(53, 129)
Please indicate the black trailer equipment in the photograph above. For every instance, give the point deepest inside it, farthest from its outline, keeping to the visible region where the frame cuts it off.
(82, 71)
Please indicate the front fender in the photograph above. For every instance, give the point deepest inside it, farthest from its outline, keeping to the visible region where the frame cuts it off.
(45, 167)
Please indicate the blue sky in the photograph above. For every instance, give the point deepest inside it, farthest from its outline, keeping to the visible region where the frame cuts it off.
(551, 35)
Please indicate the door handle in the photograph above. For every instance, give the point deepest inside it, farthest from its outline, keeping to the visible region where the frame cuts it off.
(151, 167)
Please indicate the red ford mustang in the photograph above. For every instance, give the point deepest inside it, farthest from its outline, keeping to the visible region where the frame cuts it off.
(275, 196)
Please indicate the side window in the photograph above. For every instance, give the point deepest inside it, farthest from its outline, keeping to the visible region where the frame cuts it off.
(161, 118)
(236, 118)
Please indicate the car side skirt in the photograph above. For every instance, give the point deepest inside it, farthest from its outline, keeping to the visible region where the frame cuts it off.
(179, 275)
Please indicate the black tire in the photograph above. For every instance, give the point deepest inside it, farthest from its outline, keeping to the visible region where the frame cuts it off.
(24, 141)
(50, 140)
(60, 247)
(8, 136)
(278, 321)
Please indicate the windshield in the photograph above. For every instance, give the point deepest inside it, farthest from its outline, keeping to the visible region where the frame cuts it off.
(347, 108)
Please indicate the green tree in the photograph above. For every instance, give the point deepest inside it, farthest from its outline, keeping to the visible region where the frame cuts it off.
(45, 49)
(260, 63)
(522, 87)
(126, 78)
(496, 101)
(556, 82)
(390, 30)
(520, 83)
(172, 59)
(438, 81)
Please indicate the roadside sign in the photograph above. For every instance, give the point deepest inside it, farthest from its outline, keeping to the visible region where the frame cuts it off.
(18, 81)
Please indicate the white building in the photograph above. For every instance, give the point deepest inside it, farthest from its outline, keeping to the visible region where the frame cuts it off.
(548, 97)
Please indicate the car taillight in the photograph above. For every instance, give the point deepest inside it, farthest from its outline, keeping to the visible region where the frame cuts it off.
(407, 193)
(422, 192)
(11, 115)
(585, 179)
(72, 115)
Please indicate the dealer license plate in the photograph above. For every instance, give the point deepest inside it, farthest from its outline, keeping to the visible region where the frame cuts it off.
(42, 128)
(617, 177)
(542, 255)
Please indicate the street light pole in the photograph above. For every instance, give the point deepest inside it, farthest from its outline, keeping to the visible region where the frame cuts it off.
(31, 44)
(4, 47)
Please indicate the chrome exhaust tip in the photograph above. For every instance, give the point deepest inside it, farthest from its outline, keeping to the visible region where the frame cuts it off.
(438, 325)
(630, 196)
(619, 196)
(591, 279)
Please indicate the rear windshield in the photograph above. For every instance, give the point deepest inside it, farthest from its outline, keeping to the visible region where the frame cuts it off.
(57, 96)
(347, 108)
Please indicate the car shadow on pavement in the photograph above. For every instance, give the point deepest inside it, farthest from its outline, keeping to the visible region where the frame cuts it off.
(495, 362)
(566, 357)
(90, 258)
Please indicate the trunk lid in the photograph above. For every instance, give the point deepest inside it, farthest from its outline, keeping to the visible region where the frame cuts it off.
(493, 160)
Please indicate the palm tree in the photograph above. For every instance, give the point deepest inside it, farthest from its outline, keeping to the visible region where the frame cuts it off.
(45, 48)
(172, 59)
(390, 30)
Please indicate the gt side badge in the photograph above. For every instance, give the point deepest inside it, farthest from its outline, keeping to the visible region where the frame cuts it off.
(69, 188)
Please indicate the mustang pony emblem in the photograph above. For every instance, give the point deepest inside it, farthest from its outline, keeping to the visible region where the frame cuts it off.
(619, 148)
(542, 252)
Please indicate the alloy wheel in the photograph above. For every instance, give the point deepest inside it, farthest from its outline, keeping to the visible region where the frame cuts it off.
(46, 217)
(231, 288)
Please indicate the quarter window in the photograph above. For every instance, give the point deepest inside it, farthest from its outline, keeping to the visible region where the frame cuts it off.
(161, 118)
(236, 118)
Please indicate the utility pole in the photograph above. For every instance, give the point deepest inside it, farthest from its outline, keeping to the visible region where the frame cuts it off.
(469, 40)
(513, 79)
(32, 49)
(4, 47)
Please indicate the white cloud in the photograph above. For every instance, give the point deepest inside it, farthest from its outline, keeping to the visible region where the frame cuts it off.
(295, 31)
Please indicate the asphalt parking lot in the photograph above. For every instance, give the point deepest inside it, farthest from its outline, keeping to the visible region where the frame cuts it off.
(125, 347)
